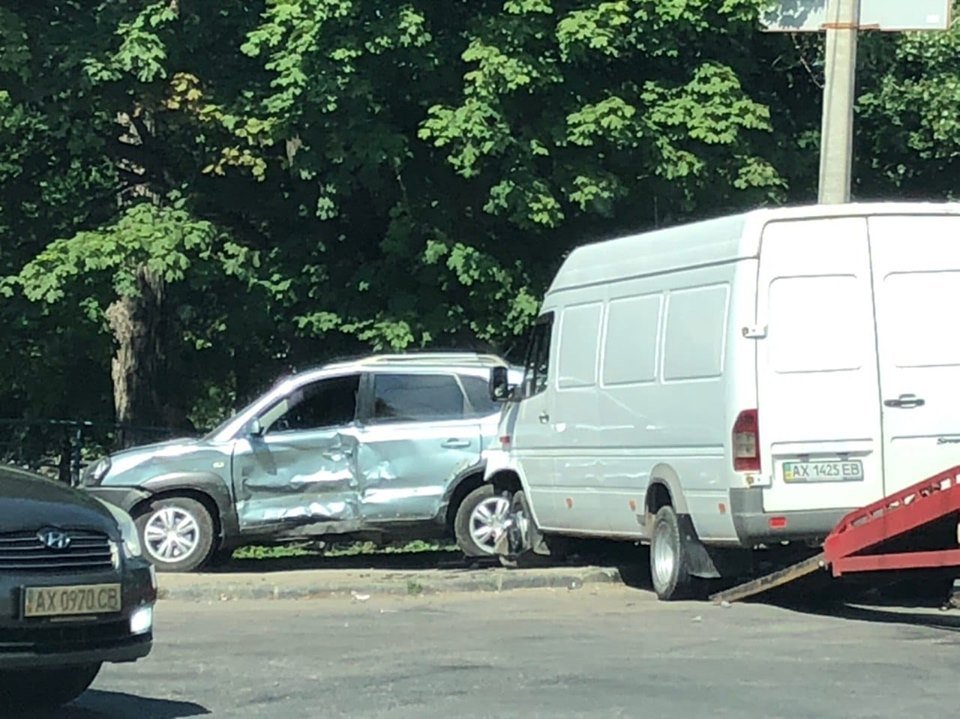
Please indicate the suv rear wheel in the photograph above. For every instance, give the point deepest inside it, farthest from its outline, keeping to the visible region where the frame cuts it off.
(479, 521)
(177, 534)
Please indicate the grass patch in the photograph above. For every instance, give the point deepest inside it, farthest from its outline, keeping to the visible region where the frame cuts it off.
(350, 549)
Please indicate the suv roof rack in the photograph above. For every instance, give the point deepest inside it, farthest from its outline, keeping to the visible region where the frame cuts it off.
(422, 357)
(434, 357)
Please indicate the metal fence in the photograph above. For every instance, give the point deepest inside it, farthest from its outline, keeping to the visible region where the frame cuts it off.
(60, 448)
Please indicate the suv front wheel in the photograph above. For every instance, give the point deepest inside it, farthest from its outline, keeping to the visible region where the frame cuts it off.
(177, 534)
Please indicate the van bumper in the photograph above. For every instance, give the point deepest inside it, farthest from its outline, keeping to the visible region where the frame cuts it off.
(753, 524)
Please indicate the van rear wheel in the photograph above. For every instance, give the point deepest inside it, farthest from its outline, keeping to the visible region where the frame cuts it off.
(669, 560)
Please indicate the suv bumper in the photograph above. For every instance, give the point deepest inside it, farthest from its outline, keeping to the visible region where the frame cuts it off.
(124, 497)
(753, 523)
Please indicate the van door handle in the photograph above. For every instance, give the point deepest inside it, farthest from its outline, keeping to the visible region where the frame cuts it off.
(544, 418)
(456, 443)
(905, 401)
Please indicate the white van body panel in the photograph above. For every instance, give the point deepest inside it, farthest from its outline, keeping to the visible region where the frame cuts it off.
(658, 341)
(916, 267)
(819, 394)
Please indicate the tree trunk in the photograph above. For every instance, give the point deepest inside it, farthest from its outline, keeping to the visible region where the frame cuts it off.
(135, 322)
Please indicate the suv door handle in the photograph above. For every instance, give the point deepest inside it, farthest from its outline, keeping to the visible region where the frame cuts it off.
(456, 443)
(544, 418)
(905, 401)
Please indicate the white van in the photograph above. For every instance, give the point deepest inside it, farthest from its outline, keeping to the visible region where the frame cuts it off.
(734, 383)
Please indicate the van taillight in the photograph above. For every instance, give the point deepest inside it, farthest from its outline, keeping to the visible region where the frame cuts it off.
(746, 442)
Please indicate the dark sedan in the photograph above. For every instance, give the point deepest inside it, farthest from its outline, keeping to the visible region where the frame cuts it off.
(75, 591)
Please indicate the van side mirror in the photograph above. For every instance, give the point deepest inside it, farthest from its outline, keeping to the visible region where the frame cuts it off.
(500, 389)
(254, 428)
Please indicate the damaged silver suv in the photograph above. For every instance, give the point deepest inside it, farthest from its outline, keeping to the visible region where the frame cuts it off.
(386, 447)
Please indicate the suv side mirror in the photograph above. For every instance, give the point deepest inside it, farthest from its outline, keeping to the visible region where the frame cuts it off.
(254, 428)
(500, 388)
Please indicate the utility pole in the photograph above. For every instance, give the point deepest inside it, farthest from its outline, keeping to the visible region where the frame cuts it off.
(839, 92)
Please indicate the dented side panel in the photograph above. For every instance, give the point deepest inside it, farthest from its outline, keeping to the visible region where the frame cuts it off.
(405, 468)
(298, 478)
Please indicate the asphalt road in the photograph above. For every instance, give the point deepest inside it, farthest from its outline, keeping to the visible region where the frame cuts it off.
(604, 651)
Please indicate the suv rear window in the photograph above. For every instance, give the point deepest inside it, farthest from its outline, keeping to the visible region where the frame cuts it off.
(478, 392)
(415, 397)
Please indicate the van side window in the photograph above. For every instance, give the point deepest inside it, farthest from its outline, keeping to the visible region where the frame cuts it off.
(579, 340)
(632, 334)
(693, 341)
(537, 365)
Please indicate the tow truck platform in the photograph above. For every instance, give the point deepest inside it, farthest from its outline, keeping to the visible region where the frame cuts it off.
(863, 539)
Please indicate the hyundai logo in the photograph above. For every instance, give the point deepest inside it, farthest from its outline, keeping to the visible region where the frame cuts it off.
(54, 539)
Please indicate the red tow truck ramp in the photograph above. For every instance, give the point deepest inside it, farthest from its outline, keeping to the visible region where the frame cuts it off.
(856, 544)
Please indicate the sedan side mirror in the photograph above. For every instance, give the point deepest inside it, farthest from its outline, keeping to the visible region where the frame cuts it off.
(254, 428)
(500, 387)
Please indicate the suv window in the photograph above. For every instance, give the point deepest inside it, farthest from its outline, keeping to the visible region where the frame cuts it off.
(478, 392)
(415, 397)
(537, 365)
(326, 403)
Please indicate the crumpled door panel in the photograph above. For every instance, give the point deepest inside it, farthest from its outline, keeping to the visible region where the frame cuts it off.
(292, 479)
(405, 469)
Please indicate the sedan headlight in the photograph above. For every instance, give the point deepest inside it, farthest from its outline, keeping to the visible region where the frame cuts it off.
(129, 534)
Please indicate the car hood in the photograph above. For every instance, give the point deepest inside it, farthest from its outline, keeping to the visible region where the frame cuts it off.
(181, 443)
(127, 465)
(29, 502)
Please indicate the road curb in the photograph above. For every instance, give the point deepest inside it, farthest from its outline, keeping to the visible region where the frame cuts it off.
(319, 584)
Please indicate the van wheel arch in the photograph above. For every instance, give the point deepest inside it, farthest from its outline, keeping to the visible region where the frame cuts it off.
(664, 490)
(506, 482)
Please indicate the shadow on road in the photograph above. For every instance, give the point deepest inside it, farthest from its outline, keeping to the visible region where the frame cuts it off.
(585, 553)
(95, 704)
(398, 560)
(943, 621)
(921, 604)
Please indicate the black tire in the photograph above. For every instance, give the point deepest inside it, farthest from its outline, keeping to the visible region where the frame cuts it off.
(669, 561)
(44, 689)
(203, 541)
(528, 559)
(464, 519)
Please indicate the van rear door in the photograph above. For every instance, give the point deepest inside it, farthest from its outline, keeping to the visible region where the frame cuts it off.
(916, 266)
(817, 385)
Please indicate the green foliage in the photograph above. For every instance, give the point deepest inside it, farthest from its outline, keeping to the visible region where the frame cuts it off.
(911, 115)
(165, 240)
(319, 177)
